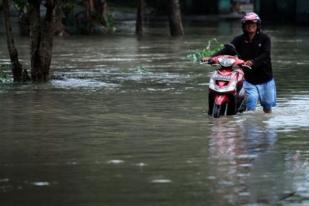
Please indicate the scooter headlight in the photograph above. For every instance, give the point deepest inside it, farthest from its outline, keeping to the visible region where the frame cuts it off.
(226, 62)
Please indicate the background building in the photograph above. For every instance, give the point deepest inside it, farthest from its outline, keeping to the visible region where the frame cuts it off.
(283, 10)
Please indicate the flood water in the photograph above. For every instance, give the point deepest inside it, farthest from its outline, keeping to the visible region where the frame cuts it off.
(124, 122)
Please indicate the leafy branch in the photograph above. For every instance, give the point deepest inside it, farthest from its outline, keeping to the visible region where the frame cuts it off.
(212, 47)
(4, 77)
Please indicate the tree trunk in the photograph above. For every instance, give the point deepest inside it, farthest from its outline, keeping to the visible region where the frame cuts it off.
(139, 18)
(103, 12)
(175, 21)
(88, 5)
(59, 28)
(18, 73)
(41, 37)
(97, 14)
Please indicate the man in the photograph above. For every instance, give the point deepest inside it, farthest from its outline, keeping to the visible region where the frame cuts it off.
(254, 47)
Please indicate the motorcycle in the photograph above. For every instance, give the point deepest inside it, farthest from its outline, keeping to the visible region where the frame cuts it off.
(226, 92)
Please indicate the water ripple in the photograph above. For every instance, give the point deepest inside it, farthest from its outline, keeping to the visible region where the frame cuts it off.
(161, 181)
(41, 184)
(80, 83)
(291, 115)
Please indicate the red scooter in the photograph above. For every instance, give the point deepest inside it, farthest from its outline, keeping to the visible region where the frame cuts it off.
(226, 92)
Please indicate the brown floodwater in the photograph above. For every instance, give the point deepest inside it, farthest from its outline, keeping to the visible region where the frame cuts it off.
(124, 122)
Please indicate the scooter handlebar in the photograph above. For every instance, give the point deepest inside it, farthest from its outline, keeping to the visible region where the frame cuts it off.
(213, 61)
(209, 61)
(245, 66)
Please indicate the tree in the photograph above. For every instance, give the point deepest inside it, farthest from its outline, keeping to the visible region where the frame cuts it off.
(97, 16)
(139, 18)
(175, 22)
(41, 37)
(19, 74)
(103, 11)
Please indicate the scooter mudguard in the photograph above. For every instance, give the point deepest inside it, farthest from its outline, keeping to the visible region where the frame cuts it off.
(221, 99)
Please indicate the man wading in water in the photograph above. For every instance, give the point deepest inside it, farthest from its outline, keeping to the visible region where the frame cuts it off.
(254, 47)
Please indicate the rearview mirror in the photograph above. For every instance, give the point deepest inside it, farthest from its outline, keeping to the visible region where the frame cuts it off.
(230, 49)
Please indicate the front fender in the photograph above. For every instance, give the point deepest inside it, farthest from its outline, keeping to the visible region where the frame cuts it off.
(221, 99)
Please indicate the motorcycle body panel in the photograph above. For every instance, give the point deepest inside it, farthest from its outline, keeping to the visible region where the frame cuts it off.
(226, 93)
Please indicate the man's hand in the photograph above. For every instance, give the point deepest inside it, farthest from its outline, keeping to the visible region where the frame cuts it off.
(205, 59)
(248, 63)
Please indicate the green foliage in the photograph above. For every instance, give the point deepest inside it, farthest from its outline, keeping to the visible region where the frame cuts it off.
(20, 4)
(122, 3)
(212, 47)
(110, 23)
(4, 77)
(68, 6)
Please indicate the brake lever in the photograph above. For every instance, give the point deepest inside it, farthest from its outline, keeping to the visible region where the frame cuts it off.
(246, 66)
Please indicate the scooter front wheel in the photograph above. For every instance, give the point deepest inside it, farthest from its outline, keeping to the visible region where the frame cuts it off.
(220, 110)
(216, 110)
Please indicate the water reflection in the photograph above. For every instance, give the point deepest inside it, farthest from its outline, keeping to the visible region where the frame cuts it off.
(291, 115)
(242, 158)
(297, 167)
(247, 167)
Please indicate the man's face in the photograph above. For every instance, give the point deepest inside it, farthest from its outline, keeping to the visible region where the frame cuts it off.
(251, 27)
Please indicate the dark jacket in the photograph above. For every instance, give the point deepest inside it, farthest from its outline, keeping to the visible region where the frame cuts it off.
(259, 52)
